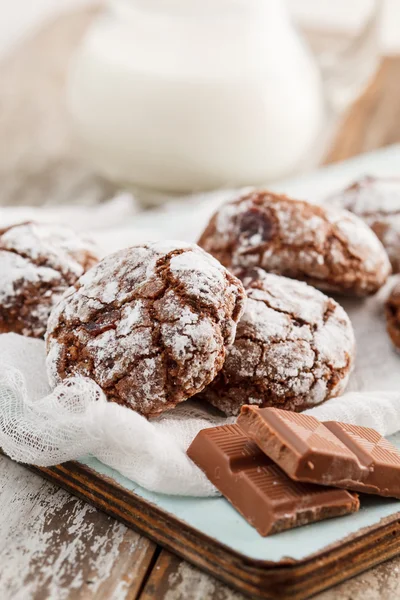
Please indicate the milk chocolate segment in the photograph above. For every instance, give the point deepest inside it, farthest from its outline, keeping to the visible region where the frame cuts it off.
(336, 454)
(372, 449)
(267, 498)
(300, 445)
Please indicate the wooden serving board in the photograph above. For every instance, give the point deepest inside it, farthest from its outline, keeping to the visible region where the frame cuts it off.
(376, 540)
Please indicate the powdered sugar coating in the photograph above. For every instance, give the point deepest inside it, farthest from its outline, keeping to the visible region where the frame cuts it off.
(294, 348)
(392, 311)
(150, 324)
(377, 202)
(37, 264)
(327, 247)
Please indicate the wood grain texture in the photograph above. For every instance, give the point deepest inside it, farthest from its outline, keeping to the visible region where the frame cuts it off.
(174, 579)
(55, 546)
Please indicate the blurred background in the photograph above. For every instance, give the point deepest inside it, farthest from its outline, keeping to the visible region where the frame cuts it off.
(169, 97)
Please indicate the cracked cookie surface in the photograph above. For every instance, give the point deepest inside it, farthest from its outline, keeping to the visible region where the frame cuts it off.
(38, 263)
(376, 201)
(150, 324)
(294, 348)
(329, 248)
(392, 310)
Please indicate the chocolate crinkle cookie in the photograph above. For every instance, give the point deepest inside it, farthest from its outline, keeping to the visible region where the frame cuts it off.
(326, 247)
(150, 324)
(38, 263)
(376, 201)
(392, 309)
(294, 348)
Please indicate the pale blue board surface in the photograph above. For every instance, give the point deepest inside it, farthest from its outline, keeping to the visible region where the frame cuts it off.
(214, 516)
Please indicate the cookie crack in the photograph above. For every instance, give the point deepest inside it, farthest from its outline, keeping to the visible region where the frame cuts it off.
(179, 288)
(119, 378)
(335, 373)
(293, 318)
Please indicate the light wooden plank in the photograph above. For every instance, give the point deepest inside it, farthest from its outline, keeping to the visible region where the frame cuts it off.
(55, 546)
(381, 583)
(175, 579)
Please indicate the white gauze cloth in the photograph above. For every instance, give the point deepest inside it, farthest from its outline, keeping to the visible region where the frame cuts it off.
(44, 427)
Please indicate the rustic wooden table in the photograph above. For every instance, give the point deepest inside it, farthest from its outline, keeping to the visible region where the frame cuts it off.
(53, 546)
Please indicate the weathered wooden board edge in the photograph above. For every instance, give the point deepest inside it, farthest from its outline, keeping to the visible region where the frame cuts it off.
(295, 580)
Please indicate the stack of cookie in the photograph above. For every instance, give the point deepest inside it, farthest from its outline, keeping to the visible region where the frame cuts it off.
(236, 320)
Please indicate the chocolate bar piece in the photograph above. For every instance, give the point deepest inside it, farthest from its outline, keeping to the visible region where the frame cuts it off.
(380, 457)
(267, 498)
(330, 453)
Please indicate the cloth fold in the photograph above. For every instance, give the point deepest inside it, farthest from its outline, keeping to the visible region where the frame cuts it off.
(43, 427)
